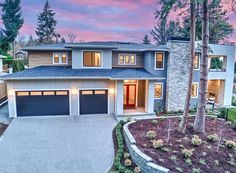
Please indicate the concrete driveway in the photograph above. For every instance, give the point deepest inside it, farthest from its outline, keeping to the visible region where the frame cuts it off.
(58, 145)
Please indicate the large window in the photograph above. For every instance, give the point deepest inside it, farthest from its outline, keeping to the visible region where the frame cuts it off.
(159, 61)
(194, 90)
(196, 62)
(92, 59)
(60, 58)
(127, 59)
(158, 90)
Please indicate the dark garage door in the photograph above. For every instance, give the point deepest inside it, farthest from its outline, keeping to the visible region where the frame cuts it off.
(33, 103)
(93, 102)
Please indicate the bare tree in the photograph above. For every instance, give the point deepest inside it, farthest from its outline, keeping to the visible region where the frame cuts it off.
(71, 38)
(170, 128)
(220, 138)
(199, 123)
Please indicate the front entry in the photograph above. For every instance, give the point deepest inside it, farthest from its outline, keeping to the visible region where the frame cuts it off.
(129, 95)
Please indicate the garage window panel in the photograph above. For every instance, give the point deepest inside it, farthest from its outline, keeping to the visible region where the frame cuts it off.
(87, 92)
(36, 93)
(22, 93)
(48, 93)
(100, 92)
(62, 93)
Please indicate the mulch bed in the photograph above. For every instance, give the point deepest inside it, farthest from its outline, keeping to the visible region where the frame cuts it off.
(178, 141)
(3, 127)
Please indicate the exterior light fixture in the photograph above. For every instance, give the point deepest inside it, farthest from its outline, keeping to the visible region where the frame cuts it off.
(73, 91)
(111, 91)
(11, 92)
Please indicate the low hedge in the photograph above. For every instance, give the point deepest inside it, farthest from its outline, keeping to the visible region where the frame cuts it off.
(120, 151)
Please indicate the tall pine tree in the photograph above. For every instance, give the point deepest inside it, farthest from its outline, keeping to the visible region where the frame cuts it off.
(46, 25)
(146, 40)
(12, 21)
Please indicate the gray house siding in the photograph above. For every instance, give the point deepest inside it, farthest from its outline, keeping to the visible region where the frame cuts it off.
(149, 65)
(139, 60)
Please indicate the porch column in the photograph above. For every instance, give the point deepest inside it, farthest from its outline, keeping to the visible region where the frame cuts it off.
(119, 97)
(149, 99)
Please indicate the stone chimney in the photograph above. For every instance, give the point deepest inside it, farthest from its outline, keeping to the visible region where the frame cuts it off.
(177, 73)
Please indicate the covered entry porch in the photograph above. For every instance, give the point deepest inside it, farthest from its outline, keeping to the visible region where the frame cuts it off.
(134, 97)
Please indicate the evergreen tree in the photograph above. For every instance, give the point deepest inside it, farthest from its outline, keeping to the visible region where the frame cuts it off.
(31, 41)
(63, 40)
(146, 40)
(4, 44)
(13, 21)
(219, 26)
(216, 63)
(46, 25)
(12, 18)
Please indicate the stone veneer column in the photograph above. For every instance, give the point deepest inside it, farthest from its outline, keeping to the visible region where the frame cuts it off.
(177, 75)
(119, 97)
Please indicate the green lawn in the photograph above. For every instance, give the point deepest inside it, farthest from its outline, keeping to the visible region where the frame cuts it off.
(232, 114)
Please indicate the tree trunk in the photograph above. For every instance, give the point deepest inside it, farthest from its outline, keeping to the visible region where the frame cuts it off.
(199, 123)
(182, 125)
(13, 49)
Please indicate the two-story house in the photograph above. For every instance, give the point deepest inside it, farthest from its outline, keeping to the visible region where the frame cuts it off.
(119, 78)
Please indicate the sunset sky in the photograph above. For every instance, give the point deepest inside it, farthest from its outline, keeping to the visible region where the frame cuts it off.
(91, 20)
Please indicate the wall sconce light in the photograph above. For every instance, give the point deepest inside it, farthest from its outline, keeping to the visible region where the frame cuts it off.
(73, 91)
(11, 92)
(111, 91)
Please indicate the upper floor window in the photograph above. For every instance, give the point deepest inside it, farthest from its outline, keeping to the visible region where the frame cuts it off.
(59, 58)
(159, 61)
(194, 90)
(158, 90)
(196, 62)
(127, 59)
(91, 58)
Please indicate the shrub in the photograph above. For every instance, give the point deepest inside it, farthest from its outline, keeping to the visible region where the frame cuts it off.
(126, 155)
(154, 122)
(157, 144)
(128, 162)
(234, 101)
(120, 141)
(196, 170)
(187, 152)
(223, 112)
(202, 161)
(196, 140)
(234, 125)
(151, 135)
(230, 144)
(188, 161)
(162, 118)
(179, 169)
(212, 138)
(137, 170)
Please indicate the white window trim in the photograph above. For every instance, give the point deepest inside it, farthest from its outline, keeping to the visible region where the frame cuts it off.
(197, 90)
(162, 84)
(82, 59)
(60, 58)
(199, 63)
(163, 63)
(124, 54)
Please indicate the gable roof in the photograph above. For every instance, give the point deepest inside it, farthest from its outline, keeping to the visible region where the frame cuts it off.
(66, 72)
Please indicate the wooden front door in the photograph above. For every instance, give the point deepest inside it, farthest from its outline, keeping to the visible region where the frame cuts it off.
(129, 95)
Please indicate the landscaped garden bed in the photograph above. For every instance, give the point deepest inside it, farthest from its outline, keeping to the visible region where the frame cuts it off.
(214, 151)
(122, 162)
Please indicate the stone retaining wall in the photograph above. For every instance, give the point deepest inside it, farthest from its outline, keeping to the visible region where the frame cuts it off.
(141, 159)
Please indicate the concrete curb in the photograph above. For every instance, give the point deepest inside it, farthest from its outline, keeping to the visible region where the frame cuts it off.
(142, 160)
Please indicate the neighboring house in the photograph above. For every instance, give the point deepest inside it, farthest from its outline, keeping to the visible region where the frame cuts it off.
(113, 78)
(21, 55)
(3, 90)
